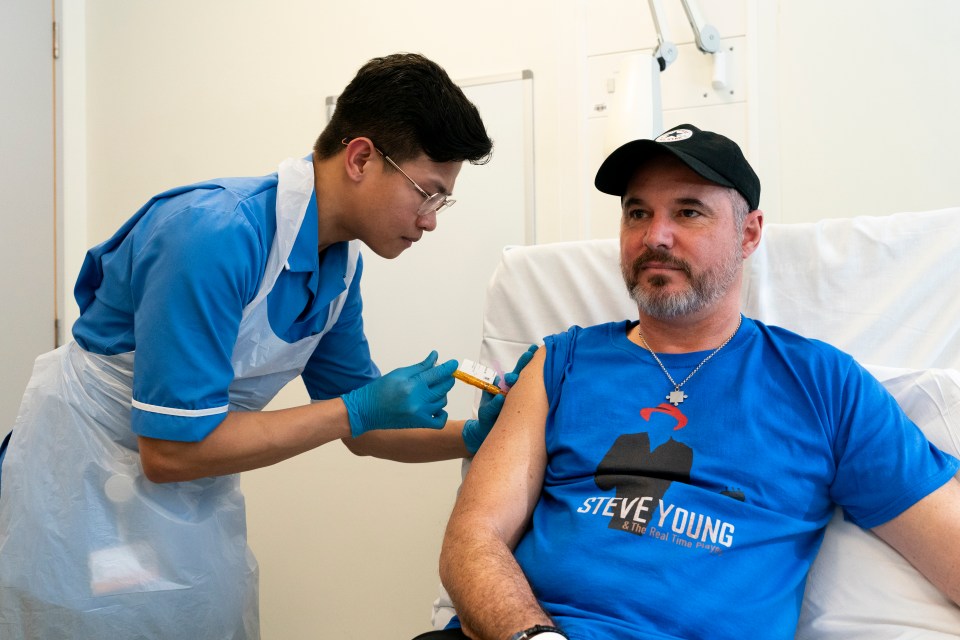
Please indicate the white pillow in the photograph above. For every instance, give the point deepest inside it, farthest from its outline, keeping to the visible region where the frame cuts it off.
(859, 588)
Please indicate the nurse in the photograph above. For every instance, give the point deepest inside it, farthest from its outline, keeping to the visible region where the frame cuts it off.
(120, 510)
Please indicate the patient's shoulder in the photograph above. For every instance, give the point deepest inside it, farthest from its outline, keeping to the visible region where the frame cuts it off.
(798, 344)
(575, 332)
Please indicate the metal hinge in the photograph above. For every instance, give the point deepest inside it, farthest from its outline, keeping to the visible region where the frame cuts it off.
(56, 40)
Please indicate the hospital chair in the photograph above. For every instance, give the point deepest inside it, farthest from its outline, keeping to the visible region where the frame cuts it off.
(884, 289)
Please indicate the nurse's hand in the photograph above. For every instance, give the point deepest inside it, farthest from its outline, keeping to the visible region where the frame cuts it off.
(476, 431)
(511, 378)
(406, 398)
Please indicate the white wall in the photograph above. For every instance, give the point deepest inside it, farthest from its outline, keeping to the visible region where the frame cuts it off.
(867, 105)
(849, 111)
(181, 89)
(686, 87)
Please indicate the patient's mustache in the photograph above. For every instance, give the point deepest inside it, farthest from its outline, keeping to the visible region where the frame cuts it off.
(662, 257)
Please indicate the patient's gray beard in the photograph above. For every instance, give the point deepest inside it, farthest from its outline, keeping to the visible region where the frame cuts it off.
(704, 290)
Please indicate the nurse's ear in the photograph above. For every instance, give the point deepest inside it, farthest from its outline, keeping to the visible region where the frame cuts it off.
(357, 157)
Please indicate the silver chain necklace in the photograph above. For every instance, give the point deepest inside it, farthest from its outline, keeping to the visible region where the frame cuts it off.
(677, 396)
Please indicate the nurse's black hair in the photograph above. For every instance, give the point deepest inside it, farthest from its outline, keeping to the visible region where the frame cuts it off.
(408, 105)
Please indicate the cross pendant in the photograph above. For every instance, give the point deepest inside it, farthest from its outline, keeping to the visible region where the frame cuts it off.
(676, 397)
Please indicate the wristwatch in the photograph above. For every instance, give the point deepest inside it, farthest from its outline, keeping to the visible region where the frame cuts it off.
(541, 632)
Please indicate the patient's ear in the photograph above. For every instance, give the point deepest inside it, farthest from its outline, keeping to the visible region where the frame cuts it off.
(752, 231)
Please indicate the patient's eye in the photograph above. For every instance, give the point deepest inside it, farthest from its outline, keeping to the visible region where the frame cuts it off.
(689, 213)
(635, 214)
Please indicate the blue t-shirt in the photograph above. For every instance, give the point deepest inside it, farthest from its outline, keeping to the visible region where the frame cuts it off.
(172, 284)
(701, 520)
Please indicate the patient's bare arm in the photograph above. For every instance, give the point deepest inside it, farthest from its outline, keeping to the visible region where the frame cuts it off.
(926, 535)
(492, 596)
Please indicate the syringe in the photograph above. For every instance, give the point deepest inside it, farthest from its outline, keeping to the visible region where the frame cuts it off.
(478, 375)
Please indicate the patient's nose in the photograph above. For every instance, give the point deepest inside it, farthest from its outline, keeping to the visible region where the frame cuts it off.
(659, 232)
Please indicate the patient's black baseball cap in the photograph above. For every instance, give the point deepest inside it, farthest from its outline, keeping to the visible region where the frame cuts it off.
(715, 157)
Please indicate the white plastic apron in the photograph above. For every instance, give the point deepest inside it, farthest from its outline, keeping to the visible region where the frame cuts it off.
(91, 549)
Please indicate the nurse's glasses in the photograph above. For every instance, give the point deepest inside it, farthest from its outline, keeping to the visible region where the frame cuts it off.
(431, 203)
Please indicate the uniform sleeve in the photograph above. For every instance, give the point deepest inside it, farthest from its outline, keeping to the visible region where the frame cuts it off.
(341, 361)
(885, 464)
(192, 276)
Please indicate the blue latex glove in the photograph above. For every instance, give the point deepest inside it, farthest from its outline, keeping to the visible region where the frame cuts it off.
(511, 378)
(476, 431)
(406, 398)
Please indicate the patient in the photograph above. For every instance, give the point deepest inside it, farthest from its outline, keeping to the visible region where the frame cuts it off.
(672, 478)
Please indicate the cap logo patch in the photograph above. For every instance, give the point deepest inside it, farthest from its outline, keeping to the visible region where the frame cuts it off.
(675, 136)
